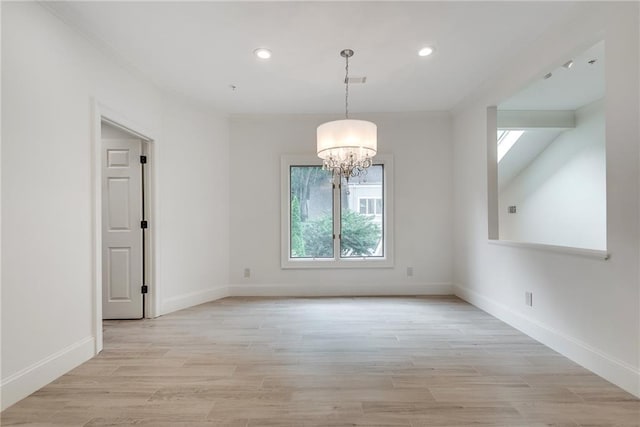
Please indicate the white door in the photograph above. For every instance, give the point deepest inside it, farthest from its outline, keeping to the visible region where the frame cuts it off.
(122, 261)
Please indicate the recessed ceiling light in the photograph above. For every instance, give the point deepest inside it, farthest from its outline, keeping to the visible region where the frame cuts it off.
(568, 64)
(426, 51)
(262, 53)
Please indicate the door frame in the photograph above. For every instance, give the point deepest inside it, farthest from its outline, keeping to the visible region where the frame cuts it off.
(103, 113)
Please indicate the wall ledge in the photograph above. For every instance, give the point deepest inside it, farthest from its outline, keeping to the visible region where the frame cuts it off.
(588, 253)
(597, 361)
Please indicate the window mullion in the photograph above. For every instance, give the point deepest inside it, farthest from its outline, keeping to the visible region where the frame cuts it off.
(337, 208)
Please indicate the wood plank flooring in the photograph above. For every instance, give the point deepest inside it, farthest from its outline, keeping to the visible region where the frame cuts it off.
(423, 361)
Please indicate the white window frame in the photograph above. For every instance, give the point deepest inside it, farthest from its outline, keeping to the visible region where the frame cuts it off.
(287, 262)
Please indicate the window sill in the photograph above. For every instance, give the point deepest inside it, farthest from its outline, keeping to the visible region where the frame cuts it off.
(333, 264)
(588, 253)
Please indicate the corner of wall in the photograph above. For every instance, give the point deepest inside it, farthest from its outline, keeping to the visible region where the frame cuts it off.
(180, 302)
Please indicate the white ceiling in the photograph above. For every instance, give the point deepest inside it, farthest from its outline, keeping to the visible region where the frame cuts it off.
(198, 49)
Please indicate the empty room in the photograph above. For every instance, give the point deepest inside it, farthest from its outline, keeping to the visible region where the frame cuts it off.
(320, 213)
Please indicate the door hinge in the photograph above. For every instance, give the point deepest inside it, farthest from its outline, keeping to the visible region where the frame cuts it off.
(143, 159)
(144, 224)
(144, 289)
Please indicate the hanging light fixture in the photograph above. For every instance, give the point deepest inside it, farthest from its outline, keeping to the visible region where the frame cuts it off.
(347, 146)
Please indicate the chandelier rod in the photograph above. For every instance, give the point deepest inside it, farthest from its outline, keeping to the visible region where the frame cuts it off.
(346, 53)
(346, 90)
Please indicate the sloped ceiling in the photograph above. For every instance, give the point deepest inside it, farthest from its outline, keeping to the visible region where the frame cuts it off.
(566, 89)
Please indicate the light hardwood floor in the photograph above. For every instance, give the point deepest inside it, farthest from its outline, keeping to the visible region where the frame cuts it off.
(325, 361)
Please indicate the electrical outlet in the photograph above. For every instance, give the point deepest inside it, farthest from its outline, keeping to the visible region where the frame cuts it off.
(409, 271)
(247, 273)
(528, 299)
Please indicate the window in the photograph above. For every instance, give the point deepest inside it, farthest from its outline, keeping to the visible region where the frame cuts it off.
(370, 206)
(310, 212)
(327, 224)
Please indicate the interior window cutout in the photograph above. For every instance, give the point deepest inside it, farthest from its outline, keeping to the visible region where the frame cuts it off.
(550, 159)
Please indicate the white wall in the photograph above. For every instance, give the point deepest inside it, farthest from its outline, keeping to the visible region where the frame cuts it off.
(421, 150)
(588, 309)
(49, 76)
(194, 259)
(561, 196)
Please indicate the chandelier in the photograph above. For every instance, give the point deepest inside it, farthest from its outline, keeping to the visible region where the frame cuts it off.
(347, 146)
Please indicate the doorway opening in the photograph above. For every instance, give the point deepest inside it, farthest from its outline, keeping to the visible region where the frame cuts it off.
(124, 127)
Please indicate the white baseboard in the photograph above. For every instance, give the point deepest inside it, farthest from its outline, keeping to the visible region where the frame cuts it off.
(331, 289)
(179, 302)
(21, 384)
(608, 367)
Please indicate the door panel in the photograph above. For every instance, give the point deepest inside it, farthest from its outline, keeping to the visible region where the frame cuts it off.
(121, 233)
(118, 158)
(119, 274)
(119, 191)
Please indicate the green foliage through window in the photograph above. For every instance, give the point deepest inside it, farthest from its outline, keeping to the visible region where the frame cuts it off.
(297, 242)
(360, 235)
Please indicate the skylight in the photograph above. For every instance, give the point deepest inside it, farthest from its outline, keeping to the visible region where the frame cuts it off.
(506, 140)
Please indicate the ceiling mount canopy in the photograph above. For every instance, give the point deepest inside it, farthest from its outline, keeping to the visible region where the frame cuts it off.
(347, 146)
